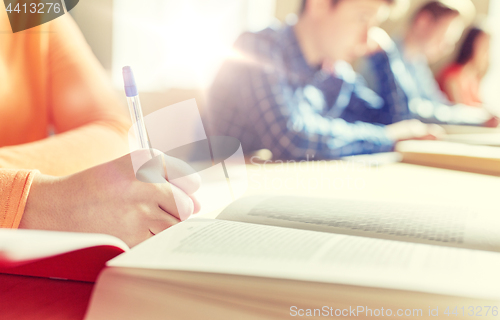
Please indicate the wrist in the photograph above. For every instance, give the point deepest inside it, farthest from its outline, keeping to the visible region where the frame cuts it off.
(40, 209)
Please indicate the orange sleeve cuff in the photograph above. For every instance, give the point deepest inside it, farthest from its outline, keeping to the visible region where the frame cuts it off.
(14, 189)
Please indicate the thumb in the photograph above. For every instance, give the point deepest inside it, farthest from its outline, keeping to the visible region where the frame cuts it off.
(141, 156)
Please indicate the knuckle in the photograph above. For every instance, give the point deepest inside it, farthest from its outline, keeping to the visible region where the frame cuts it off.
(190, 184)
(184, 204)
(196, 182)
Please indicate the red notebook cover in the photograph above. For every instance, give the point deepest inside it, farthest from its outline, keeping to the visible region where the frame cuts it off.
(81, 265)
(54, 254)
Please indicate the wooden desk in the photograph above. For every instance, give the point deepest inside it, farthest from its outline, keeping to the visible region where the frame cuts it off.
(367, 177)
(357, 178)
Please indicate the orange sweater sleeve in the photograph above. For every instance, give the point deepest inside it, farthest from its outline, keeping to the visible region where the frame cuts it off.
(14, 189)
(78, 103)
(51, 81)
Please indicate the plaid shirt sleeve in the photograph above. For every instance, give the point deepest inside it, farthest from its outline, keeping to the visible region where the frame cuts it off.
(414, 95)
(377, 68)
(255, 102)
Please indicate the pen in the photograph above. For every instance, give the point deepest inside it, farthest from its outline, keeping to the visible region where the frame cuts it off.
(134, 107)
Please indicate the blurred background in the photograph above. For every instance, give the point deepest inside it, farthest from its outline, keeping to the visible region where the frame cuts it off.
(175, 47)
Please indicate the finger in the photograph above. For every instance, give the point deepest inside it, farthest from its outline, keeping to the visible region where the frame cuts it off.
(162, 168)
(175, 201)
(161, 221)
(419, 129)
(141, 156)
(181, 174)
(492, 123)
(197, 204)
(437, 131)
(427, 137)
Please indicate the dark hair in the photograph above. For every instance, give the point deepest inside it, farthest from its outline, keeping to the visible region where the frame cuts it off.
(467, 49)
(436, 9)
(334, 2)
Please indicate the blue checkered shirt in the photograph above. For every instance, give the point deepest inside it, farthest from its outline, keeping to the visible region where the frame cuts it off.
(270, 98)
(410, 91)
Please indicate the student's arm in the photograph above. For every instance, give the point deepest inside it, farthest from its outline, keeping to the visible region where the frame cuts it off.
(397, 88)
(109, 199)
(89, 122)
(303, 130)
(285, 120)
(14, 189)
(377, 69)
(452, 87)
(428, 84)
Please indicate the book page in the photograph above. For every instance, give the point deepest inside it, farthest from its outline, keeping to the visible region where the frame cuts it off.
(229, 247)
(422, 223)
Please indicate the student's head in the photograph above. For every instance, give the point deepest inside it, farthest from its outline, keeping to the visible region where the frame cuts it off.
(475, 50)
(437, 26)
(340, 27)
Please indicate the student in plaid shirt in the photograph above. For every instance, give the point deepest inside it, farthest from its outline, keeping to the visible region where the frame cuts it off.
(292, 91)
(401, 75)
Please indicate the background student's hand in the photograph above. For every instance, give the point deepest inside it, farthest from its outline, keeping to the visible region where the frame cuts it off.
(110, 199)
(494, 122)
(414, 130)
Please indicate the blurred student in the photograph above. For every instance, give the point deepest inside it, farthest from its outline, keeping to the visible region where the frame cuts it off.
(461, 80)
(400, 71)
(291, 90)
(51, 82)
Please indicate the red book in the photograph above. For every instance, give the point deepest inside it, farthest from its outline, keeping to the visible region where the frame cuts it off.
(52, 254)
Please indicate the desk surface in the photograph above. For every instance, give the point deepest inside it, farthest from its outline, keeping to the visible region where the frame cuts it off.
(357, 178)
(370, 179)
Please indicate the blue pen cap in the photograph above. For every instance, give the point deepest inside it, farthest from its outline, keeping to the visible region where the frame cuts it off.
(128, 78)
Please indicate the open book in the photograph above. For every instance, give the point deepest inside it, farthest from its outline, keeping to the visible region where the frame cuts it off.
(277, 257)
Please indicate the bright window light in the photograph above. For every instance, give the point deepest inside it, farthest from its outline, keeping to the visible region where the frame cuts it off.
(491, 83)
(180, 44)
